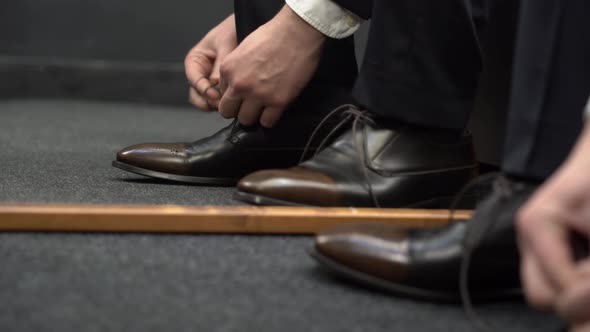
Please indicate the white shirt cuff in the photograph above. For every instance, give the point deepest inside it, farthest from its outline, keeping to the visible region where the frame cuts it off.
(327, 17)
(587, 110)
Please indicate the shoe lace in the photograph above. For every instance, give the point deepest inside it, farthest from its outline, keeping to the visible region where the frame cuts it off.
(474, 235)
(235, 127)
(349, 112)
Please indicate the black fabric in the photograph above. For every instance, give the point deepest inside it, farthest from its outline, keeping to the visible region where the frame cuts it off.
(338, 65)
(551, 84)
(422, 62)
(362, 8)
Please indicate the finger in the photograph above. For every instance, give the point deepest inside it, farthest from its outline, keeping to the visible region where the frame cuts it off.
(222, 86)
(214, 98)
(574, 305)
(215, 76)
(250, 112)
(548, 240)
(538, 290)
(553, 253)
(202, 85)
(270, 116)
(229, 105)
(197, 65)
(197, 100)
(213, 95)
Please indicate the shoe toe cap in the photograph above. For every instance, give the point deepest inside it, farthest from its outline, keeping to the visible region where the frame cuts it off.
(169, 158)
(296, 185)
(381, 251)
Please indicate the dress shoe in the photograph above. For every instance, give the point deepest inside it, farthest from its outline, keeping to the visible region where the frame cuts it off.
(234, 151)
(373, 163)
(426, 263)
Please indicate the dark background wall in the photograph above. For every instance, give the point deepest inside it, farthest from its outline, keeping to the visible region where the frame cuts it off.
(124, 30)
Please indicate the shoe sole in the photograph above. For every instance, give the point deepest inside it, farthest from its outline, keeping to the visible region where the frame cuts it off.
(263, 200)
(433, 203)
(174, 177)
(408, 291)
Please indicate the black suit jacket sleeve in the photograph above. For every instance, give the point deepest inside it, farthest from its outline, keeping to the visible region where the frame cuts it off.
(362, 8)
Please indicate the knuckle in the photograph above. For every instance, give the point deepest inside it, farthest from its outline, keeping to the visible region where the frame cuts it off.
(214, 77)
(226, 115)
(262, 93)
(226, 68)
(240, 85)
(279, 101)
(256, 93)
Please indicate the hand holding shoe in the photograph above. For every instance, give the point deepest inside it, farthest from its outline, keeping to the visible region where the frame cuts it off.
(269, 69)
(203, 62)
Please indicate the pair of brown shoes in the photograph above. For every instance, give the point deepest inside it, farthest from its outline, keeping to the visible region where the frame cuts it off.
(367, 162)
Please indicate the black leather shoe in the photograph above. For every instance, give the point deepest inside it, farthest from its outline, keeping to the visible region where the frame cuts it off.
(373, 163)
(425, 263)
(234, 151)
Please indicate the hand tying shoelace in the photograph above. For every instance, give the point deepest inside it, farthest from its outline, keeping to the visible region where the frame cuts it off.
(477, 230)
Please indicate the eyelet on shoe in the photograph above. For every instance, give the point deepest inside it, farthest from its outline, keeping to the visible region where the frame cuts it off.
(234, 139)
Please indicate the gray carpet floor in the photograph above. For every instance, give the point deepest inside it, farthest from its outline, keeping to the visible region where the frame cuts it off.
(60, 151)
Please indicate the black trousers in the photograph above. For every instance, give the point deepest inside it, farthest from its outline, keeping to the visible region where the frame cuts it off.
(422, 62)
(551, 85)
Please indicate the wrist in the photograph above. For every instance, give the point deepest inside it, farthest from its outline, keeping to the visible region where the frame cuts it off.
(298, 26)
(225, 32)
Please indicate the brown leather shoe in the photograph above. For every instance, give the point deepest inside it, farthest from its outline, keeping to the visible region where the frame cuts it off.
(234, 151)
(373, 163)
(426, 263)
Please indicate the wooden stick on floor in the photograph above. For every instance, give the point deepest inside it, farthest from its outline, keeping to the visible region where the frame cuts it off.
(207, 219)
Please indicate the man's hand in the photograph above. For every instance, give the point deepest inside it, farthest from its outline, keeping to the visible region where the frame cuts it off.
(203, 62)
(269, 69)
(561, 206)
